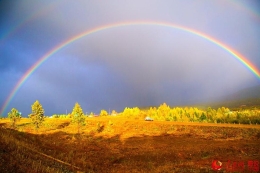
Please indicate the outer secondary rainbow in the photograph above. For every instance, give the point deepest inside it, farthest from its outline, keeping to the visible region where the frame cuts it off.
(235, 54)
(25, 21)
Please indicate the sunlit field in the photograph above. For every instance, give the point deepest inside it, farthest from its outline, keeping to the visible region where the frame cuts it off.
(124, 144)
(158, 86)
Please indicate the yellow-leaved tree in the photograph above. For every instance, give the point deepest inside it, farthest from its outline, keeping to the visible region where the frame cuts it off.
(14, 116)
(163, 111)
(103, 113)
(37, 115)
(78, 116)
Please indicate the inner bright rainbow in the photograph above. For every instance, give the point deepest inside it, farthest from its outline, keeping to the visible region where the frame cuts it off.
(59, 47)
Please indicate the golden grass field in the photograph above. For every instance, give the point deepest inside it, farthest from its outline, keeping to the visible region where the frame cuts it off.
(115, 144)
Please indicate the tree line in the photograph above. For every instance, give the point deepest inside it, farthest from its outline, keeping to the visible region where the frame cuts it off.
(193, 114)
(37, 116)
(161, 113)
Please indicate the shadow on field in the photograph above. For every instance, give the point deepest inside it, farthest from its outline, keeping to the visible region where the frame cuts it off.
(65, 152)
(2, 124)
(63, 125)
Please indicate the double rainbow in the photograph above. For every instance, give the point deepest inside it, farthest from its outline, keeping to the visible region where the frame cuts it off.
(60, 46)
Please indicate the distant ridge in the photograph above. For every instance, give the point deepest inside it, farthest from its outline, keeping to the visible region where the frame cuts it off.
(246, 98)
(252, 92)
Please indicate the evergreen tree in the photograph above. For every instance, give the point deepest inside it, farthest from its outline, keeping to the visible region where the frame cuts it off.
(202, 117)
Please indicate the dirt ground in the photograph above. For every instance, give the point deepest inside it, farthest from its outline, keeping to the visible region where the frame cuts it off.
(130, 146)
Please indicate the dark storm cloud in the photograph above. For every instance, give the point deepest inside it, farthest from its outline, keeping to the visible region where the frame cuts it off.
(90, 85)
(152, 55)
(174, 77)
(124, 66)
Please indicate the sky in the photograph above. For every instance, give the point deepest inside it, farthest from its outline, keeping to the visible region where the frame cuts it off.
(144, 63)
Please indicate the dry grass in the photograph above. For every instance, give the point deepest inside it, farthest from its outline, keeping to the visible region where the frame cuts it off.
(114, 144)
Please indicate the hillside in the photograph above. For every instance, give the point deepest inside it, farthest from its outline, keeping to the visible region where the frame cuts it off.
(248, 98)
(124, 145)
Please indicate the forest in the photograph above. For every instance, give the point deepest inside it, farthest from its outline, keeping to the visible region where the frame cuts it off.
(193, 114)
(161, 113)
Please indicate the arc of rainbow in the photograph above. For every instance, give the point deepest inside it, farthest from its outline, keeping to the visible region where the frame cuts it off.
(243, 6)
(11, 31)
(236, 55)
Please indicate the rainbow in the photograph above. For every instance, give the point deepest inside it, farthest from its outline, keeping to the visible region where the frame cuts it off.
(246, 9)
(60, 46)
(40, 12)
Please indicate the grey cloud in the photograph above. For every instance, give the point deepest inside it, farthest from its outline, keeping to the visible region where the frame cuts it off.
(125, 66)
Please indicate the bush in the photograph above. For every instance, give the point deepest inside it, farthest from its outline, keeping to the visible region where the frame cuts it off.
(100, 127)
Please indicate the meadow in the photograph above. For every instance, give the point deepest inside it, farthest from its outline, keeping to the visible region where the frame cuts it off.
(121, 144)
